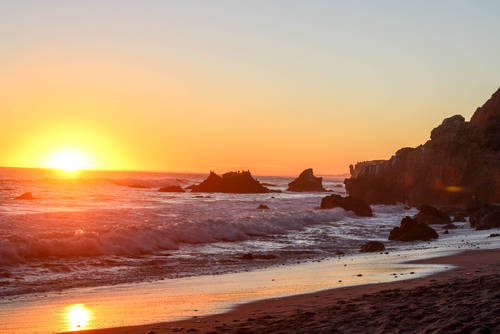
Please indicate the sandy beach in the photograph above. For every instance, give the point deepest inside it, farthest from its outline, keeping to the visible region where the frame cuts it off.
(464, 299)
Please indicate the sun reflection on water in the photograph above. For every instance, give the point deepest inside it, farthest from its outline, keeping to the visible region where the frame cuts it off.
(78, 317)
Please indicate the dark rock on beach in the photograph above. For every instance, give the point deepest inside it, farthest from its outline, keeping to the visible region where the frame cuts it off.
(458, 161)
(478, 210)
(25, 196)
(232, 182)
(262, 207)
(306, 182)
(411, 230)
(372, 246)
(172, 189)
(490, 220)
(430, 215)
(350, 203)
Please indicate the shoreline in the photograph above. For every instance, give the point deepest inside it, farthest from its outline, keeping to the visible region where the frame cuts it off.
(311, 312)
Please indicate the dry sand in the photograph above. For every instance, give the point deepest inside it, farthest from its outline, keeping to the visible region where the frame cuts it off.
(465, 299)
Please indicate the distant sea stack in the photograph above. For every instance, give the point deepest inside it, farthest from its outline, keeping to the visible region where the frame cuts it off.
(460, 160)
(232, 182)
(306, 182)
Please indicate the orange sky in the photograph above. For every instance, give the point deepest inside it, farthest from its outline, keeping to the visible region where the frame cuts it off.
(274, 87)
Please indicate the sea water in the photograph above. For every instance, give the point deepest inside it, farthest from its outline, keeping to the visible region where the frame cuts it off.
(99, 229)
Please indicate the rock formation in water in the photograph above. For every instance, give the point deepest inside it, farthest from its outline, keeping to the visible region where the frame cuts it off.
(25, 196)
(172, 189)
(306, 182)
(411, 230)
(349, 203)
(460, 160)
(232, 182)
(372, 246)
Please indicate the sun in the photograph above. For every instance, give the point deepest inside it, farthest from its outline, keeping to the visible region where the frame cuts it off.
(69, 160)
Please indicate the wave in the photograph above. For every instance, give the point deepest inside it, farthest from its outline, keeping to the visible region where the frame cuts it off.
(140, 239)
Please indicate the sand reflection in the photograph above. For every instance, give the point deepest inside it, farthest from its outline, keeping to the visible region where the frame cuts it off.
(77, 317)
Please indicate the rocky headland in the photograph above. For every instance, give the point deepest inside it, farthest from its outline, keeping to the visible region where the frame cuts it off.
(460, 160)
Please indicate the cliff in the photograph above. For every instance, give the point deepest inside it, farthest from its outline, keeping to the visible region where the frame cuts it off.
(458, 161)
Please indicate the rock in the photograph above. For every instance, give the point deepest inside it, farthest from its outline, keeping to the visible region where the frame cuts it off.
(247, 256)
(446, 232)
(490, 220)
(263, 207)
(25, 196)
(172, 189)
(457, 162)
(338, 186)
(411, 230)
(450, 226)
(356, 169)
(430, 215)
(372, 246)
(350, 203)
(488, 111)
(494, 235)
(232, 182)
(306, 182)
(477, 210)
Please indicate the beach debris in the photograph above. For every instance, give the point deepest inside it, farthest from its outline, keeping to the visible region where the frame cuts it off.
(306, 182)
(349, 203)
(359, 275)
(25, 196)
(262, 207)
(411, 230)
(372, 246)
(172, 189)
(431, 215)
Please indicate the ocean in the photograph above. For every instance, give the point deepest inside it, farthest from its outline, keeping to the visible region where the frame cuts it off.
(88, 229)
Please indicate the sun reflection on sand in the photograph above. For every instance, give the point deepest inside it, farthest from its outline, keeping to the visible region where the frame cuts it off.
(77, 317)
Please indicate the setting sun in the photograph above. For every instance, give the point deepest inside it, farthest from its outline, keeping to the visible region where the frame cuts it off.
(69, 160)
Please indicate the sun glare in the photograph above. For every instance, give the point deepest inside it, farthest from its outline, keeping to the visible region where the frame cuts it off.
(69, 160)
(78, 317)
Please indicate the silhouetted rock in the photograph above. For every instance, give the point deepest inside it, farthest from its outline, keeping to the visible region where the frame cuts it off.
(355, 170)
(247, 256)
(450, 226)
(372, 246)
(430, 215)
(494, 235)
(262, 207)
(306, 182)
(490, 220)
(172, 189)
(411, 230)
(447, 170)
(478, 210)
(232, 182)
(489, 110)
(25, 196)
(350, 203)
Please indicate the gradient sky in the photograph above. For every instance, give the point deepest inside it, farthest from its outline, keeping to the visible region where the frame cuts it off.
(270, 86)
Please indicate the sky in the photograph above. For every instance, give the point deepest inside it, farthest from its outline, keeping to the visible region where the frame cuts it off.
(271, 86)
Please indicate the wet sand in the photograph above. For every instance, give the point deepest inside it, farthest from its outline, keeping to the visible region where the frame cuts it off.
(465, 299)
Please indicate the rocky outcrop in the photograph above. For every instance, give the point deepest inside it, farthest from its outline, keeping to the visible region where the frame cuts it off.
(172, 189)
(430, 215)
(306, 182)
(262, 207)
(350, 203)
(411, 230)
(478, 210)
(489, 110)
(372, 246)
(232, 182)
(491, 220)
(356, 169)
(25, 196)
(453, 165)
